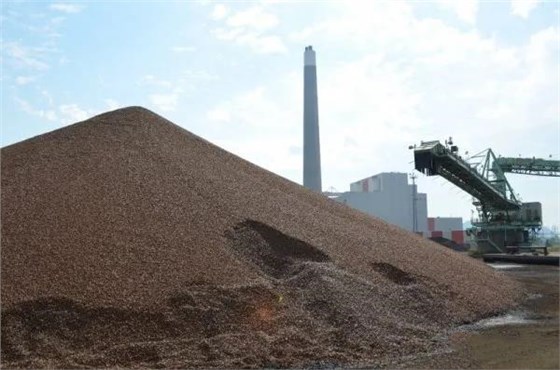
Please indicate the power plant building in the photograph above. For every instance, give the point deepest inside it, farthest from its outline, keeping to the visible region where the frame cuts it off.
(390, 197)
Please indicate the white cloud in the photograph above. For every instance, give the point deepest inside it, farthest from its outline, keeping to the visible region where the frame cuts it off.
(250, 28)
(359, 26)
(28, 61)
(71, 113)
(466, 10)
(165, 102)
(249, 109)
(48, 97)
(219, 12)
(219, 114)
(227, 34)
(67, 7)
(24, 80)
(63, 60)
(522, 8)
(63, 114)
(201, 75)
(165, 93)
(263, 44)
(28, 108)
(152, 80)
(255, 17)
(183, 49)
(112, 104)
(259, 44)
(25, 57)
(246, 124)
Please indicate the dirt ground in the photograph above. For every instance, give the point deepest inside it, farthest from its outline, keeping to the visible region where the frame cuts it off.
(530, 343)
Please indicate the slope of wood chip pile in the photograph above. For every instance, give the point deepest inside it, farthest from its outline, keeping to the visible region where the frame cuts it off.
(128, 241)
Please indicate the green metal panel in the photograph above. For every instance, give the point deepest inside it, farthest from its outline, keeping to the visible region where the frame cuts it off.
(530, 166)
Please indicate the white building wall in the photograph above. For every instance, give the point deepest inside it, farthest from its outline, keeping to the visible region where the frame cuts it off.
(448, 224)
(388, 196)
(380, 182)
(447, 227)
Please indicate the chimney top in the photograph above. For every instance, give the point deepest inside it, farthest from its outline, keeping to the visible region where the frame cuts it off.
(309, 56)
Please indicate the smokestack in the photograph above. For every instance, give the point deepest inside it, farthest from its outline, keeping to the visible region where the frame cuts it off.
(311, 147)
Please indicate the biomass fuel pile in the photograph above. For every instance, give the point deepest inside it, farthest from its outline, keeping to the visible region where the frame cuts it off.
(128, 241)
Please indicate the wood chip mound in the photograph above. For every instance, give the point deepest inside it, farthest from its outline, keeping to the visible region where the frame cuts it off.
(128, 241)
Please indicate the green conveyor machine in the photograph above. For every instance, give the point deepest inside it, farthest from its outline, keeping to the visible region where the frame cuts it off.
(503, 221)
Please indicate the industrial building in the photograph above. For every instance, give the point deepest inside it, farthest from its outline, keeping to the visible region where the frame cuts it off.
(447, 227)
(390, 197)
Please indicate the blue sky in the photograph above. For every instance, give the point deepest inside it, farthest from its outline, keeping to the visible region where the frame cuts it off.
(390, 74)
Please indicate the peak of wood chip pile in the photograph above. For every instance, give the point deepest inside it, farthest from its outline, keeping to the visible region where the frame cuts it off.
(128, 241)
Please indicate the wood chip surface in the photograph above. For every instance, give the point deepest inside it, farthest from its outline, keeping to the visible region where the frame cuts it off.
(128, 241)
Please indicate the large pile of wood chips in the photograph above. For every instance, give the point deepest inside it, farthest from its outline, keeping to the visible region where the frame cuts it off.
(128, 241)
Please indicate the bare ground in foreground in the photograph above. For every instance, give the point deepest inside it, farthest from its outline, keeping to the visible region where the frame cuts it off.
(533, 345)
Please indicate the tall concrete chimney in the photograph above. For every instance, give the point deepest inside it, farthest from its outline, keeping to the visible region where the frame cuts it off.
(311, 146)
